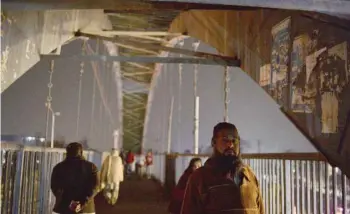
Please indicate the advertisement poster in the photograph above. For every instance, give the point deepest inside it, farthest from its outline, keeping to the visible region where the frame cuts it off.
(298, 74)
(327, 74)
(280, 58)
(265, 75)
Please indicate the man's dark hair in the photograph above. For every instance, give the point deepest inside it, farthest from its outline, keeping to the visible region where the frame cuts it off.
(223, 126)
(74, 149)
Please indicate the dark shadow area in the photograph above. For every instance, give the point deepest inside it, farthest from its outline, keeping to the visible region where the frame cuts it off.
(136, 196)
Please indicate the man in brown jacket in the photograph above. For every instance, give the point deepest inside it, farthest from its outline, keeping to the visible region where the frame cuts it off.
(224, 184)
(74, 183)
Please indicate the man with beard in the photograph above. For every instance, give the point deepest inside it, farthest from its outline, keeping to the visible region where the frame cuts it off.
(224, 184)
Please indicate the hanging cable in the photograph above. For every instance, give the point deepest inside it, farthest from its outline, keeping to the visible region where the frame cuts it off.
(226, 74)
(49, 99)
(79, 92)
(92, 117)
(95, 69)
(226, 93)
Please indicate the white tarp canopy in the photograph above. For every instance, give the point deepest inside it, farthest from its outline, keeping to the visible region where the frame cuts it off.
(100, 108)
(27, 34)
(262, 126)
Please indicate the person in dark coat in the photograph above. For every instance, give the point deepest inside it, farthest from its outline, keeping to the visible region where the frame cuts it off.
(179, 191)
(74, 183)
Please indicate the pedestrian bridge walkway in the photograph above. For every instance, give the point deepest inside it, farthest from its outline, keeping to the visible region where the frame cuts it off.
(290, 183)
(136, 196)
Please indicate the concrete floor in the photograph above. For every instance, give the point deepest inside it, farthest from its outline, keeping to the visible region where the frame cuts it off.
(136, 197)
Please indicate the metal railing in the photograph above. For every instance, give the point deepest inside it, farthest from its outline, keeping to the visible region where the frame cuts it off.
(290, 183)
(25, 177)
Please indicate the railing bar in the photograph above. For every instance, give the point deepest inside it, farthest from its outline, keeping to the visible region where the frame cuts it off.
(334, 189)
(24, 185)
(314, 187)
(321, 182)
(270, 186)
(266, 185)
(279, 188)
(283, 188)
(344, 194)
(302, 179)
(293, 186)
(7, 180)
(308, 187)
(327, 188)
(297, 175)
(30, 182)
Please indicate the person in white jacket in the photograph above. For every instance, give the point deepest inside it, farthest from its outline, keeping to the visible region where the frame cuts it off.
(112, 173)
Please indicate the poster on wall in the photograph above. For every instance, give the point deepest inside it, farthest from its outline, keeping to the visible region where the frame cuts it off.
(327, 74)
(265, 75)
(298, 74)
(280, 59)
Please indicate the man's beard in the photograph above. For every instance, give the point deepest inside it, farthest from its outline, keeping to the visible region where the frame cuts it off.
(229, 162)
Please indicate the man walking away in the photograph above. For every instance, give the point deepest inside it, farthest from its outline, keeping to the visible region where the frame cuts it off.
(74, 183)
(224, 184)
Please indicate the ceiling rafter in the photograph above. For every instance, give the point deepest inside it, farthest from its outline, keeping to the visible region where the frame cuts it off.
(136, 48)
(219, 59)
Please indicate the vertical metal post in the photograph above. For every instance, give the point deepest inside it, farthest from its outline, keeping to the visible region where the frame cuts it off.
(116, 139)
(53, 129)
(196, 110)
(298, 178)
(302, 178)
(321, 183)
(308, 186)
(327, 188)
(196, 125)
(226, 91)
(292, 189)
(334, 190)
(314, 187)
(287, 177)
(273, 182)
(18, 181)
(344, 193)
(170, 123)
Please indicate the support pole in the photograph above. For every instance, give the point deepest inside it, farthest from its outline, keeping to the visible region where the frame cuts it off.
(226, 91)
(196, 109)
(53, 129)
(116, 139)
(196, 125)
(170, 122)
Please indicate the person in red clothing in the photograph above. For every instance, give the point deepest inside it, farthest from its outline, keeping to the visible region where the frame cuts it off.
(130, 158)
(179, 191)
(149, 163)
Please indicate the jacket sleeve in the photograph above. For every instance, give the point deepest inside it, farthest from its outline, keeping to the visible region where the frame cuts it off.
(260, 201)
(55, 182)
(192, 203)
(93, 187)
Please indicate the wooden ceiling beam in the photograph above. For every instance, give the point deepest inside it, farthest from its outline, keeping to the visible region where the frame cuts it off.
(156, 6)
(218, 59)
